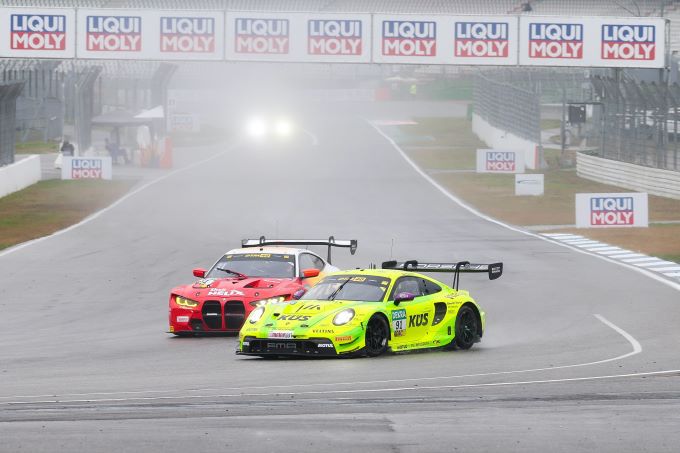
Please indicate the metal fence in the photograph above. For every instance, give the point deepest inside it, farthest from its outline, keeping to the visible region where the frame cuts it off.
(8, 96)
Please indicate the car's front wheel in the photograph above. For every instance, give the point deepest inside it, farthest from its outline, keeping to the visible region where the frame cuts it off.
(466, 328)
(377, 334)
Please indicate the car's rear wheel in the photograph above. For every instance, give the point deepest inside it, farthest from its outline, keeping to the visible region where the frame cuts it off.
(466, 328)
(377, 334)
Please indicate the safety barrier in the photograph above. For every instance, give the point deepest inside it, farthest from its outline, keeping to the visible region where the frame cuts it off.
(19, 175)
(664, 183)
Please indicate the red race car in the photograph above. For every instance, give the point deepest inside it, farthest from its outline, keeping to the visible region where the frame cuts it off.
(262, 271)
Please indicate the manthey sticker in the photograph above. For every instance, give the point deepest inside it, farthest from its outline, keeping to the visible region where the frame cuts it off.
(399, 322)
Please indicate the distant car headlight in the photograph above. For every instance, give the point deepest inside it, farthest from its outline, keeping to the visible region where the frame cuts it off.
(184, 302)
(255, 315)
(257, 127)
(271, 300)
(283, 127)
(343, 317)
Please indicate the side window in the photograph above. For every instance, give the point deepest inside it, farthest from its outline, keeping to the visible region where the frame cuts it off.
(406, 285)
(309, 261)
(427, 287)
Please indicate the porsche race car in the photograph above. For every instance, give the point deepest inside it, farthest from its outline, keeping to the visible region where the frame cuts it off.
(262, 271)
(370, 311)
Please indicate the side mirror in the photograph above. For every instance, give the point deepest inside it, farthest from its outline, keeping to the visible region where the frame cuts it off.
(299, 293)
(200, 273)
(309, 273)
(403, 297)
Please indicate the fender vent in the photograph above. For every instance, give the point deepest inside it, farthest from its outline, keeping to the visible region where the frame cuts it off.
(439, 313)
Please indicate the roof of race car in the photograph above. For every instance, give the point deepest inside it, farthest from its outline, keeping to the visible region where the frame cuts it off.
(269, 249)
(386, 273)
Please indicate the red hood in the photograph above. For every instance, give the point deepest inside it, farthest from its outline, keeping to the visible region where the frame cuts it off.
(255, 287)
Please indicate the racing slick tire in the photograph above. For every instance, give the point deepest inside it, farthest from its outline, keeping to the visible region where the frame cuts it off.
(377, 334)
(466, 328)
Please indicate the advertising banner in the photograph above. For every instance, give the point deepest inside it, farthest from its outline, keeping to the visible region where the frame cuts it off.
(298, 37)
(150, 35)
(611, 210)
(37, 32)
(86, 168)
(529, 184)
(592, 41)
(187, 122)
(499, 161)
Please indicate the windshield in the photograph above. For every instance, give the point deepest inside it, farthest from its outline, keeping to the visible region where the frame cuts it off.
(366, 288)
(255, 265)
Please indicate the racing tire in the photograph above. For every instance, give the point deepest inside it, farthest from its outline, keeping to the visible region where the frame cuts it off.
(466, 328)
(377, 335)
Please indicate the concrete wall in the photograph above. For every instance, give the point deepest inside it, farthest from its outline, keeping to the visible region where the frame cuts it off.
(19, 175)
(664, 183)
(499, 139)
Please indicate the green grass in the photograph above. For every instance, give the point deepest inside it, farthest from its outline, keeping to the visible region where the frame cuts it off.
(36, 147)
(550, 124)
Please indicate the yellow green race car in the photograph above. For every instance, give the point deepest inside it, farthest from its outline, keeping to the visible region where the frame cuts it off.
(370, 311)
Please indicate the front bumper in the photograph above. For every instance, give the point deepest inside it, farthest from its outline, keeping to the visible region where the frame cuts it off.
(312, 347)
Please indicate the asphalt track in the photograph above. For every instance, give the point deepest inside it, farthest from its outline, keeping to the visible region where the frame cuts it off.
(579, 354)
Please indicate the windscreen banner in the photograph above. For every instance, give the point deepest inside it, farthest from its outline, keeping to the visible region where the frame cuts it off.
(500, 161)
(134, 34)
(612, 210)
(298, 37)
(592, 41)
(37, 32)
(86, 168)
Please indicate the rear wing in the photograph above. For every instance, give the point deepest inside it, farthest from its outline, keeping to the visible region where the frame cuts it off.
(331, 242)
(494, 270)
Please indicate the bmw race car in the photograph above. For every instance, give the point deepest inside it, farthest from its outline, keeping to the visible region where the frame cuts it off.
(370, 311)
(261, 272)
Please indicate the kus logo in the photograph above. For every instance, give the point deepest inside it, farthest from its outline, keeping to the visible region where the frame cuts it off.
(37, 32)
(500, 161)
(556, 41)
(628, 42)
(265, 36)
(113, 33)
(188, 34)
(334, 37)
(612, 211)
(481, 39)
(409, 38)
(86, 169)
(418, 320)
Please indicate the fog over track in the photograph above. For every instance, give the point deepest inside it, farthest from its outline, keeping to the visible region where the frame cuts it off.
(579, 353)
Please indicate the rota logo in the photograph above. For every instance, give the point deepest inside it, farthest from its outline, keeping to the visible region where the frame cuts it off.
(481, 39)
(409, 38)
(86, 169)
(266, 36)
(556, 40)
(334, 37)
(612, 211)
(628, 42)
(188, 34)
(114, 33)
(37, 32)
(500, 161)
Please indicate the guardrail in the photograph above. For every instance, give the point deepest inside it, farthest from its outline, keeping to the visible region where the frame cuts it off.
(664, 183)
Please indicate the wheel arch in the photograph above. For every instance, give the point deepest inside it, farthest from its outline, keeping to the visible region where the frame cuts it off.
(475, 309)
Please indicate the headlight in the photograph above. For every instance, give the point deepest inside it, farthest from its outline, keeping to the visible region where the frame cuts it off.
(255, 315)
(257, 127)
(283, 127)
(184, 302)
(343, 317)
(271, 300)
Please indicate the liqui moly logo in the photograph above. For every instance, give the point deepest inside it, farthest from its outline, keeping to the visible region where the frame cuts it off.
(548, 40)
(500, 161)
(628, 42)
(409, 38)
(612, 211)
(262, 36)
(87, 169)
(37, 32)
(188, 34)
(481, 39)
(334, 37)
(113, 33)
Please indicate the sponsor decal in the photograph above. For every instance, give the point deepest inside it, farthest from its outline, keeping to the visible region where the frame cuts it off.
(343, 339)
(262, 36)
(225, 292)
(204, 283)
(322, 331)
(37, 32)
(82, 168)
(324, 345)
(284, 334)
(256, 255)
(113, 33)
(409, 38)
(500, 161)
(293, 318)
(182, 319)
(188, 34)
(628, 42)
(309, 307)
(399, 322)
(481, 39)
(612, 211)
(550, 40)
(246, 343)
(334, 37)
(418, 320)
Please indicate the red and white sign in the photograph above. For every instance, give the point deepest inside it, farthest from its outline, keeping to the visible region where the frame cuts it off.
(37, 33)
(86, 168)
(628, 42)
(187, 34)
(611, 210)
(262, 35)
(334, 37)
(482, 39)
(499, 161)
(113, 33)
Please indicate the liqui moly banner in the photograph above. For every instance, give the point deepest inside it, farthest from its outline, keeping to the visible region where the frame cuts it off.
(86, 168)
(592, 42)
(611, 210)
(410, 39)
(499, 161)
(487, 40)
(191, 35)
(37, 33)
(298, 37)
